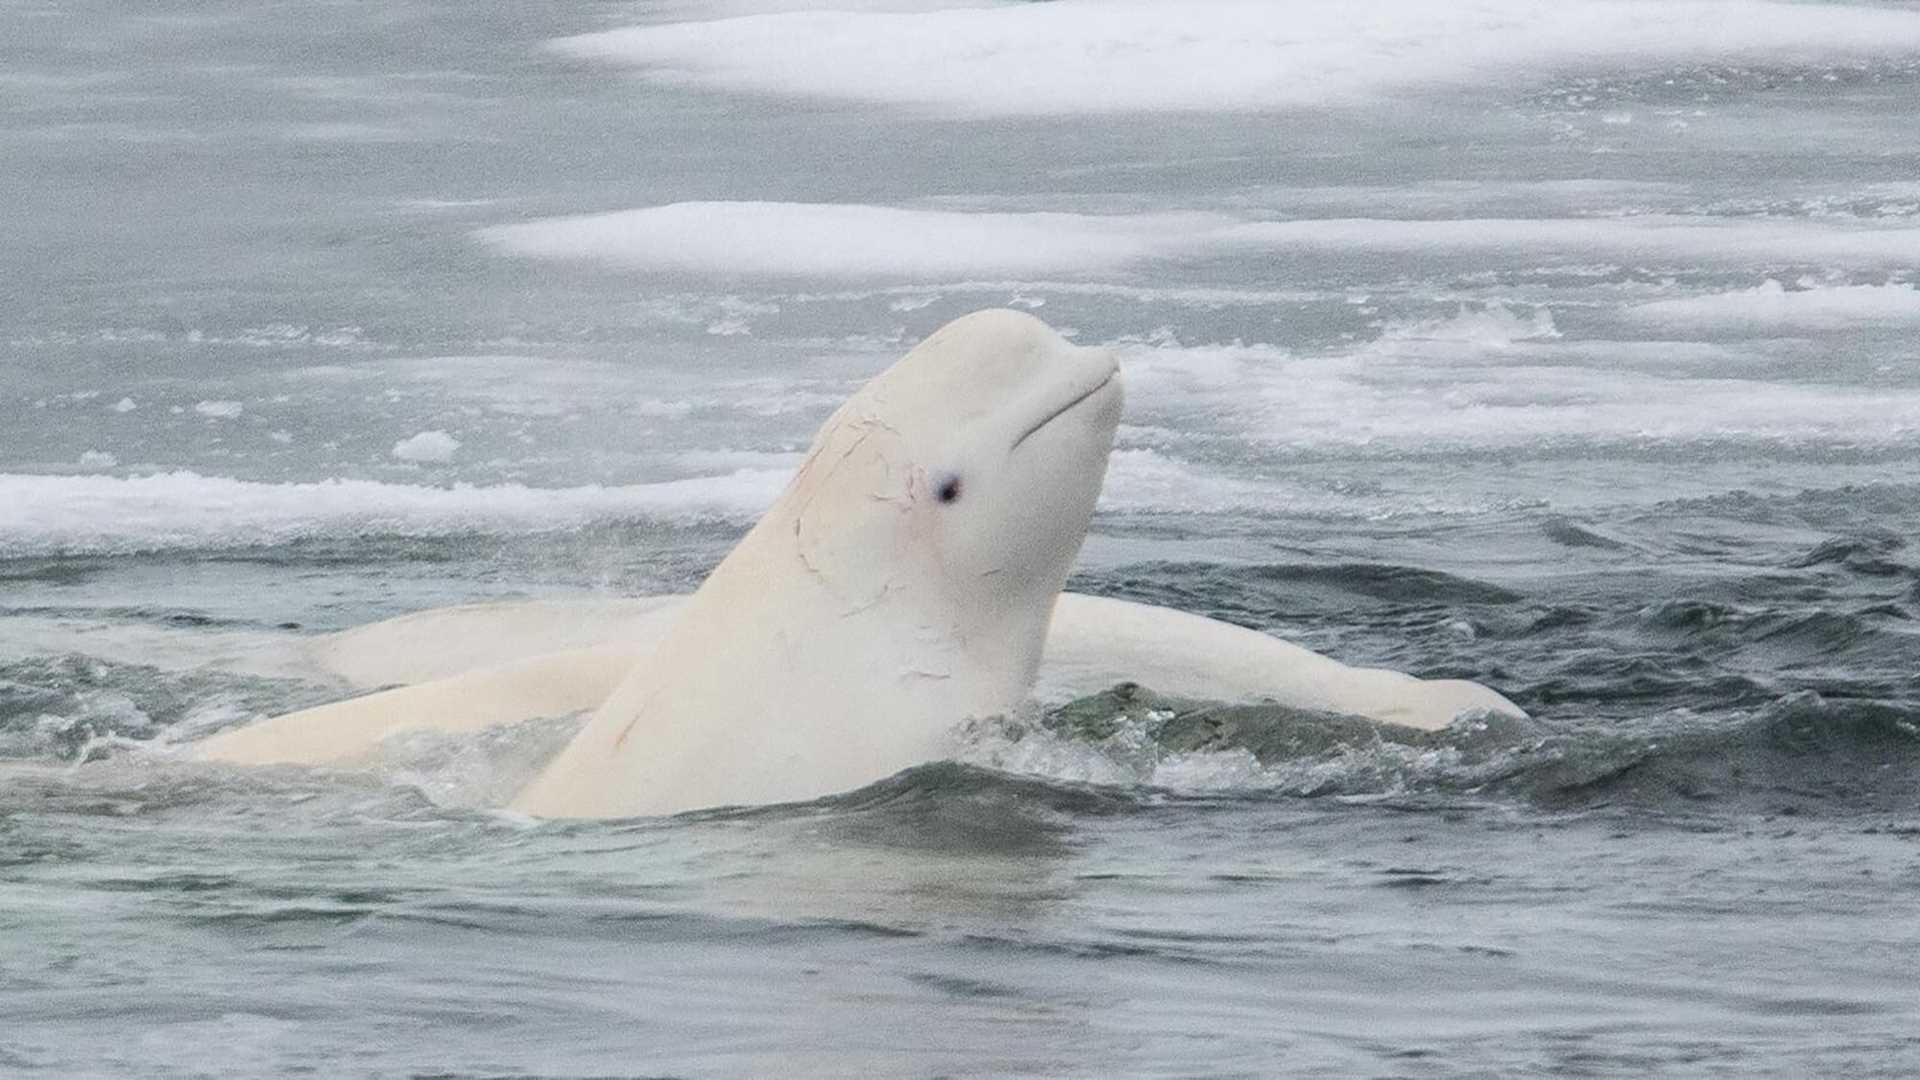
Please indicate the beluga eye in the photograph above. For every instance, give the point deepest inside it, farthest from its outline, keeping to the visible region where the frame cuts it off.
(947, 489)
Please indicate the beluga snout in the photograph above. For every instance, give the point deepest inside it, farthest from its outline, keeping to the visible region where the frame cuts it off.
(1104, 376)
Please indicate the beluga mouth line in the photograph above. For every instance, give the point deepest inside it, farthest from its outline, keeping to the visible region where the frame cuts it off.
(1065, 409)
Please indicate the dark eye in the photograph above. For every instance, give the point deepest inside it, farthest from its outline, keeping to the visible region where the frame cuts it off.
(949, 489)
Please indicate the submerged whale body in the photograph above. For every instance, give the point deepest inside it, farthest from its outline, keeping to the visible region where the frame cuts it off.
(908, 578)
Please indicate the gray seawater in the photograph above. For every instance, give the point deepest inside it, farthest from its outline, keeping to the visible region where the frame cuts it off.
(1661, 492)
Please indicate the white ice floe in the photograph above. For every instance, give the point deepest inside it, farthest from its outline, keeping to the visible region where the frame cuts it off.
(86, 514)
(1093, 56)
(1649, 237)
(774, 239)
(219, 410)
(1772, 306)
(427, 447)
(851, 240)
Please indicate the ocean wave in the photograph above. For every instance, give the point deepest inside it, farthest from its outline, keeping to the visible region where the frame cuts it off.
(1016, 782)
(1801, 752)
(1486, 377)
(1261, 591)
(72, 707)
(1873, 554)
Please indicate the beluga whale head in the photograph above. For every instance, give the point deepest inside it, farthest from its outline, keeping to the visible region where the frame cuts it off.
(961, 480)
(902, 583)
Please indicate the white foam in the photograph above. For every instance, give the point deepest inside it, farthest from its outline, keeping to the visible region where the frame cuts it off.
(1148, 481)
(48, 515)
(1497, 379)
(1134, 754)
(847, 240)
(1075, 56)
(1495, 326)
(268, 653)
(219, 410)
(1771, 305)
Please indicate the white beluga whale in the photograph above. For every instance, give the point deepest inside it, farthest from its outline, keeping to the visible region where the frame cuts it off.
(909, 578)
(903, 581)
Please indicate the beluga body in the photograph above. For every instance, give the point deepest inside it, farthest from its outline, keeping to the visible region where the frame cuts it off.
(908, 578)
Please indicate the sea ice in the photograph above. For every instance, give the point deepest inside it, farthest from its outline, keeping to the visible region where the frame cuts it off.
(850, 240)
(427, 446)
(860, 241)
(94, 514)
(1093, 56)
(1772, 306)
(1837, 241)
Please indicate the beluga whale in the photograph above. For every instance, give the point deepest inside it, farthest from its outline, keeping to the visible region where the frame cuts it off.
(908, 578)
(903, 581)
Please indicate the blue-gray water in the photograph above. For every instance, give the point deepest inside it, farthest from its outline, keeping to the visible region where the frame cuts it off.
(1636, 445)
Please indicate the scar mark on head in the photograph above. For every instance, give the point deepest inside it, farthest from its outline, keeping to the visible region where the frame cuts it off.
(621, 739)
(626, 731)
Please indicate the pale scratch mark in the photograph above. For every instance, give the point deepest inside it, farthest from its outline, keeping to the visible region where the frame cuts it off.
(812, 484)
(887, 588)
(807, 482)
